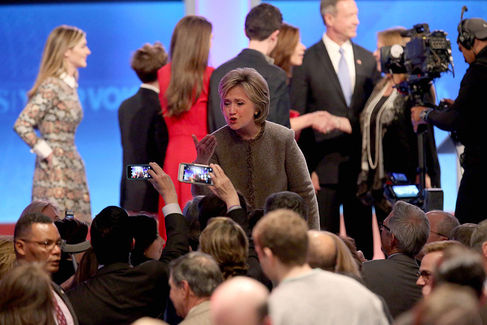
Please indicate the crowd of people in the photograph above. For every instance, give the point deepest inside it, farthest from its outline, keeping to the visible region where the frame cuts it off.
(291, 135)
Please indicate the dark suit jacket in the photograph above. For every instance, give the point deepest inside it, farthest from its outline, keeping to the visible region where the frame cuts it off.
(276, 80)
(66, 301)
(144, 139)
(121, 294)
(314, 87)
(395, 280)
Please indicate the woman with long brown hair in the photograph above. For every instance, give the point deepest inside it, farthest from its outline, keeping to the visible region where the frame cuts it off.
(55, 110)
(183, 93)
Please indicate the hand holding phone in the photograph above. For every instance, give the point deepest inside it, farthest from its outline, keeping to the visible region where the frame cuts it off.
(138, 172)
(195, 174)
(223, 187)
(162, 183)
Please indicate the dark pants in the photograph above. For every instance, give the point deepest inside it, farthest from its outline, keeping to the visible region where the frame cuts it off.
(357, 216)
(470, 205)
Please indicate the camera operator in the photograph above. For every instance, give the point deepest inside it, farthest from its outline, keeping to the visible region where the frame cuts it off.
(466, 117)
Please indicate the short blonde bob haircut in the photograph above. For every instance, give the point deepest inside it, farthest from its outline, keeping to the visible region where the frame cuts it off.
(254, 86)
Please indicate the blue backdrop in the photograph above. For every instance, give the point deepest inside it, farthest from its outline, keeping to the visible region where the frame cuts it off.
(114, 31)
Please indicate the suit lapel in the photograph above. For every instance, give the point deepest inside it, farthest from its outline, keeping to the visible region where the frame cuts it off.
(325, 61)
(66, 301)
(359, 74)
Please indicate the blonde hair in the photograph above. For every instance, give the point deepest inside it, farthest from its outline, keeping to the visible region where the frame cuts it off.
(286, 44)
(61, 39)
(391, 37)
(226, 241)
(254, 86)
(190, 47)
(7, 254)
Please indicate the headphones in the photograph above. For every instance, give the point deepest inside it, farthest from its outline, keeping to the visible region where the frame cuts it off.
(465, 37)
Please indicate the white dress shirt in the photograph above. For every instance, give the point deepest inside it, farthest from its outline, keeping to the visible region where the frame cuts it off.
(333, 51)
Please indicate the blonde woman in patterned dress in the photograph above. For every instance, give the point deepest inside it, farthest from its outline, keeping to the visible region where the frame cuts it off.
(55, 111)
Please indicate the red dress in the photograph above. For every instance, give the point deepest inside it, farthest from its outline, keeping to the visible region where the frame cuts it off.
(180, 147)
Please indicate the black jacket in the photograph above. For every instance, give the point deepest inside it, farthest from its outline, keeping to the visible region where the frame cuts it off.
(121, 294)
(144, 139)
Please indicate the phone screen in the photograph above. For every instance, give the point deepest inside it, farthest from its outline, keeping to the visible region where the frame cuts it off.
(405, 191)
(398, 177)
(198, 174)
(138, 172)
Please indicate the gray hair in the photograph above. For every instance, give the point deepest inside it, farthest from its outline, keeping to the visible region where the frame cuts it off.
(479, 236)
(199, 270)
(328, 7)
(410, 226)
(463, 233)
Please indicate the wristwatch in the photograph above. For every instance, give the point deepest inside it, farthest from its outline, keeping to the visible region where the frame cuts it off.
(424, 114)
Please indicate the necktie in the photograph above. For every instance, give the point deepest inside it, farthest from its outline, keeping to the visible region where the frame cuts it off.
(344, 77)
(61, 319)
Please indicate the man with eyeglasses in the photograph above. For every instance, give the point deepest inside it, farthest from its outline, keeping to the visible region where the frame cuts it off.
(403, 234)
(36, 239)
(433, 252)
(441, 225)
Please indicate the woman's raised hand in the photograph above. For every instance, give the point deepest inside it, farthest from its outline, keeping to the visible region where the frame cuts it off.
(204, 148)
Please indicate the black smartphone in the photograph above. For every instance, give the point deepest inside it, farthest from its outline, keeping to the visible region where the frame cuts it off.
(195, 174)
(138, 172)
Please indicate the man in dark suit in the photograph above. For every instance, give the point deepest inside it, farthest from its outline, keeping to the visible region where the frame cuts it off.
(337, 76)
(262, 28)
(36, 239)
(403, 235)
(143, 130)
(120, 293)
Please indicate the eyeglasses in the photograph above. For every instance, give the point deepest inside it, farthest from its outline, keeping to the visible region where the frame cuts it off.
(425, 274)
(383, 226)
(438, 233)
(48, 244)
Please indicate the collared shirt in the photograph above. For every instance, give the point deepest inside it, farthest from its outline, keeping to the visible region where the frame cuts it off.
(171, 208)
(69, 80)
(151, 87)
(333, 51)
(64, 309)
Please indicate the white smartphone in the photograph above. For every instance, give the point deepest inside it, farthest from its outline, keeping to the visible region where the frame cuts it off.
(195, 174)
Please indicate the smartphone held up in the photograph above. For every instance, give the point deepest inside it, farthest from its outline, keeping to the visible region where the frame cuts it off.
(195, 174)
(138, 172)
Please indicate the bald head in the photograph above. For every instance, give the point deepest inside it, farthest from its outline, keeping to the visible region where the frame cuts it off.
(322, 250)
(239, 301)
(441, 225)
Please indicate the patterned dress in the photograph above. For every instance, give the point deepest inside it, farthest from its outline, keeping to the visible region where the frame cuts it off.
(55, 111)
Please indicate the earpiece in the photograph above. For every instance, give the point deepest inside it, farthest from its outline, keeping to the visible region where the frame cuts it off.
(465, 37)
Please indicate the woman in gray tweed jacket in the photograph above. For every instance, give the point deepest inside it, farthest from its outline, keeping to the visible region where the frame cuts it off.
(258, 156)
